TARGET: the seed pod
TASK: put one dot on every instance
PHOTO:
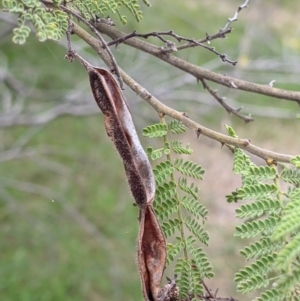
(120, 129)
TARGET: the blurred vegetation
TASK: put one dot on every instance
(68, 227)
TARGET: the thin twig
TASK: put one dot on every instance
(234, 18)
(171, 47)
(226, 106)
(208, 291)
(221, 34)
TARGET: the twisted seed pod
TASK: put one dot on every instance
(120, 128)
(151, 253)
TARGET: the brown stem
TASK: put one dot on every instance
(225, 105)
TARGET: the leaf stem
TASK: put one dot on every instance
(179, 212)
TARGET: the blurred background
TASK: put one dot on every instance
(67, 225)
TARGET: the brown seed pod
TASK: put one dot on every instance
(120, 129)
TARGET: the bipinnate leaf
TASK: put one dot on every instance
(296, 161)
(273, 295)
(256, 191)
(253, 228)
(259, 208)
(260, 248)
(176, 127)
(162, 171)
(155, 130)
(291, 176)
(189, 168)
(180, 149)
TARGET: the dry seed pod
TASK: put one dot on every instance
(152, 254)
(120, 128)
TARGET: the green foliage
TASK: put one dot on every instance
(197, 230)
(296, 161)
(274, 222)
(155, 130)
(178, 148)
(241, 162)
(192, 205)
(176, 127)
(257, 191)
(177, 206)
(260, 248)
(259, 208)
(291, 176)
(162, 171)
(231, 131)
(189, 168)
(273, 295)
(252, 276)
(51, 22)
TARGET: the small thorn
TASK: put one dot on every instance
(233, 85)
(272, 82)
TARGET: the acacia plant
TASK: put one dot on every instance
(171, 216)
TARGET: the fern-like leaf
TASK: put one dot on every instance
(253, 283)
(272, 295)
(180, 149)
(253, 276)
(182, 269)
(165, 192)
(261, 173)
(252, 229)
(241, 162)
(288, 224)
(189, 168)
(196, 287)
(200, 259)
(259, 208)
(174, 250)
(296, 161)
(289, 281)
(176, 127)
(257, 191)
(288, 253)
(194, 207)
(291, 176)
(191, 190)
(197, 230)
(162, 171)
(170, 226)
(155, 130)
(260, 248)
(166, 208)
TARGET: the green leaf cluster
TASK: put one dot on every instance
(51, 22)
(178, 207)
(270, 216)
